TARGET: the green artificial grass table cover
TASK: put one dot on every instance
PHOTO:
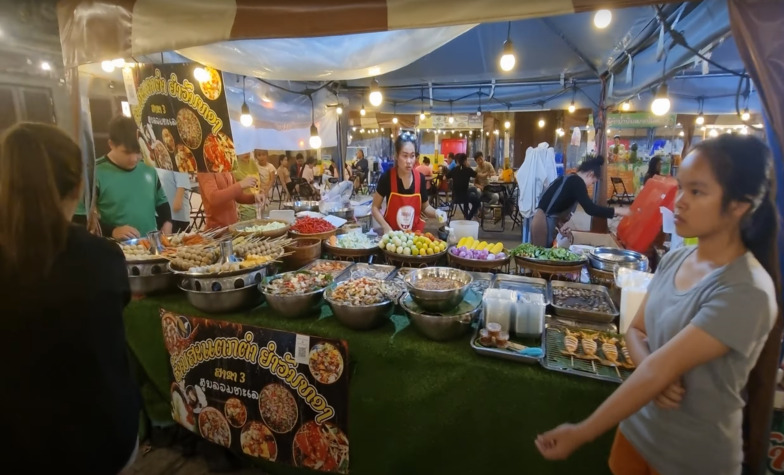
(415, 406)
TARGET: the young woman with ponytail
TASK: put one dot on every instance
(706, 340)
(71, 404)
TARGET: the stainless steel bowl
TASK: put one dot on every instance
(345, 213)
(151, 284)
(438, 300)
(224, 301)
(360, 317)
(608, 259)
(294, 305)
(442, 327)
(298, 206)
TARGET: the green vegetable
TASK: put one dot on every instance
(545, 254)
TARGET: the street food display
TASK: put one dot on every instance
(353, 241)
(300, 282)
(546, 255)
(587, 352)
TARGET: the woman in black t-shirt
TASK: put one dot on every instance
(71, 403)
(404, 190)
(463, 194)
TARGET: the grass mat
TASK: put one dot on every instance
(416, 406)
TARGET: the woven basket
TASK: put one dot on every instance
(400, 260)
(477, 265)
(549, 272)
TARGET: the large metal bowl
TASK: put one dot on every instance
(298, 206)
(441, 327)
(438, 300)
(608, 259)
(360, 317)
(294, 305)
(151, 284)
(224, 301)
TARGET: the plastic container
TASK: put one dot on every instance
(634, 287)
(529, 315)
(463, 228)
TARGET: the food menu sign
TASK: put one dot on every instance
(266, 393)
(184, 123)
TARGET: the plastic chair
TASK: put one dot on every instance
(501, 206)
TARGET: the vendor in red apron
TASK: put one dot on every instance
(403, 190)
(561, 198)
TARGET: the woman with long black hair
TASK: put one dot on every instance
(706, 339)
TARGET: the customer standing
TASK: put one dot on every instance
(177, 187)
(70, 400)
(128, 193)
(284, 174)
(706, 339)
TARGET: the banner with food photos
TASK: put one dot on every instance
(183, 121)
(267, 393)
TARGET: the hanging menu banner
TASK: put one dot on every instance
(461, 121)
(271, 394)
(640, 120)
(183, 122)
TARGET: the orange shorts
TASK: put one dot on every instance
(625, 460)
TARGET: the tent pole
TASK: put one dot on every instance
(599, 225)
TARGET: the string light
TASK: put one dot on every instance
(541, 123)
(245, 118)
(602, 19)
(661, 103)
(508, 60)
(376, 98)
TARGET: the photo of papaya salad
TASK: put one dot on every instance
(236, 412)
(278, 408)
(321, 447)
(214, 427)
(258, 441)
(325, 363)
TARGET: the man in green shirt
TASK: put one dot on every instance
(129, 194)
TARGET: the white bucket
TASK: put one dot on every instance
(463, 228)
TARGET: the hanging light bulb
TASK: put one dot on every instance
(713, 133)
(394, 120)
(681, 134)
(572, 108)
(746, 115)
(451, 120)
(422, 115)
(201, 74)
(361, 131)
(245, 118)
(46, 66)
(461, 135)
(339, 110)
(353, 129)
(700, 119)
(744, 130)
(496, 131)
(107, 66)
(376, 98)
(626, 106)
(602, 19)
(507, 124)
(362, 111)
(541, 123)
(508, 60)
(661, 103)
(315, 140)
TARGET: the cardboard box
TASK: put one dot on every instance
(595, 239)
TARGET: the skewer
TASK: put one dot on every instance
(593, 365)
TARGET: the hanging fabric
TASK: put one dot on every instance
(629, 69)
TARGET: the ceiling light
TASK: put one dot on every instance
(744, 131)
(487, 133)
(626, 106)
(661, 103)
(361, 131)
(451, 120)
(46, 66)
(107, 66)
(703, 128)
(602, 19)
(479, 111)
(713, 133)
(461, 134)
(362, 111)
(201, 74)
(422, 115)
(507, 124)
(700, 120)
(245, 118)
(508, 59)
(681, 134)
(118, 63)
(339, 110)
(746, 115)
(315, 140)
(728, 131)
(353, 129)
(541, 123)
(572, 108)
(394, 120)
(376, 98)
(496, 131)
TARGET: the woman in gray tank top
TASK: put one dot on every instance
(706, 340)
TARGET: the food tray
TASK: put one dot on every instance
(554, 360)
(589, 315)
(335, 274)
(503, 353)
(484, 279)
(522, 284)
(361, 269)
(548, 262)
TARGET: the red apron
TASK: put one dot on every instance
(403, 210)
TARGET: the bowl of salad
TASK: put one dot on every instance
(555, 256)
(351, 244)
(296, 294)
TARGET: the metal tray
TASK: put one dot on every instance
(554, 360)
(522, 284)
(352, 272)
(587, 315)
(335, 274)
(504, 354)
(483, 277)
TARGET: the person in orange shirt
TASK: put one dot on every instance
(220, 194)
